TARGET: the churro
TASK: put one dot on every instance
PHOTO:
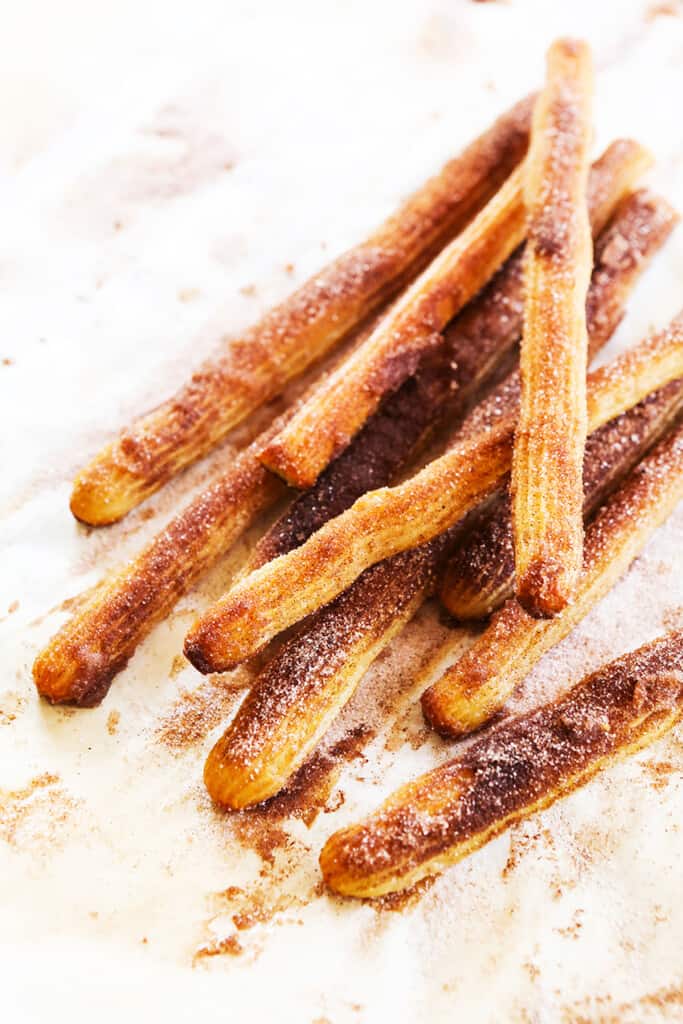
(478, 685)
(392, 519)
(551, 431)
(250, 369)
(511, 772)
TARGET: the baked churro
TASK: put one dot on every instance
(308, 681)
(510, 773)
(475, 345)
(334, 413)
(478, 685)
(303, 688)
(392, 519)
(252, 368)
(551, 432)
(480, 575)
(80, 662)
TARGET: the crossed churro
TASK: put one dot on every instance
(344, 401)
(254, 367)
(474, 346)
(82, 659)
(511, 772)
(303, 688)
(478, 685)
(551, 431)
(480, 575)
(310, 679)
(384, 522)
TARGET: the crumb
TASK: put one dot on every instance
(248, 289)
(230, 945)
(177, 665)
(113, 719)
(289, 268)
(13, 608)
(7, 361)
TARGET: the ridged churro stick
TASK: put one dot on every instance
(511, 772)
(325, 424)
(303, 688)
(392, 519)
(308, 681)
(478, 685)
(480, 575)
(475, 343)
(551, 432)
(252, 368)
(80, 662)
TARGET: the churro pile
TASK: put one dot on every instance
(461, 447)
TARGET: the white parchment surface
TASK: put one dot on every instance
(167, 171)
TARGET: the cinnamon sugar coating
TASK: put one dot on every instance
(478, 685)
(392, 519)
(481, 573)
(509, 773)
(551, 432)
(250, 369)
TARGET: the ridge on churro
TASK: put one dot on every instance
(551, 431)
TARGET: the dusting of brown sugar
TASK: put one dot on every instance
(406, 899)
(196, 712)
(673, 618)
(35, 815)
(660, 773)
(11, 705)
(113, 719)
(229, 946)
(309, 793)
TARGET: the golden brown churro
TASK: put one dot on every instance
(392, 519)
(325, 424)
(309, 680)
(477, 686)
(480, 576)
(317, 670)
(474, 344)
(80, 662)
(511, 772)
(551, 432)
(254, 367)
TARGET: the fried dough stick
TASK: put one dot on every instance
(309, 680)
(81, 661)
(510, 773)
(250, 369)
(480, 575)
(551, 432)
(300, 692)
(345, 399)
(478, 685)
(392, 519)
(475, 344)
